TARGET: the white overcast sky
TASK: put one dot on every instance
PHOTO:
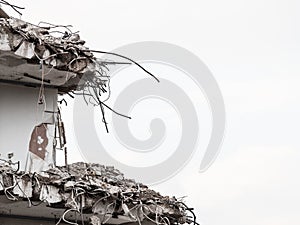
(253, 50)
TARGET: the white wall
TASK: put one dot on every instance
(19, 114)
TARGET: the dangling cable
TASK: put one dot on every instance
(134, 62)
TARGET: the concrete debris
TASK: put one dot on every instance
(4, 42)
(94, 220)
(101, 191)
(25, 50)
(31, 55)
(38, 45)
(23, 187)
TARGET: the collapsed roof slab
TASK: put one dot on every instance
(88, 191)
(31, 54)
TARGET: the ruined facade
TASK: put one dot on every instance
(38, 63)
(35, 67)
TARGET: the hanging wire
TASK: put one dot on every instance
(124, 57)
(14, 7)
(96, 88)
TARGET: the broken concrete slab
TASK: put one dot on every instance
(100, 191)
(63, 54)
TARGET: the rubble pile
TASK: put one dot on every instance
(48, 45)
(94, 189)
(66, 52)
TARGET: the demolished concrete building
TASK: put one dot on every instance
(35, 67)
